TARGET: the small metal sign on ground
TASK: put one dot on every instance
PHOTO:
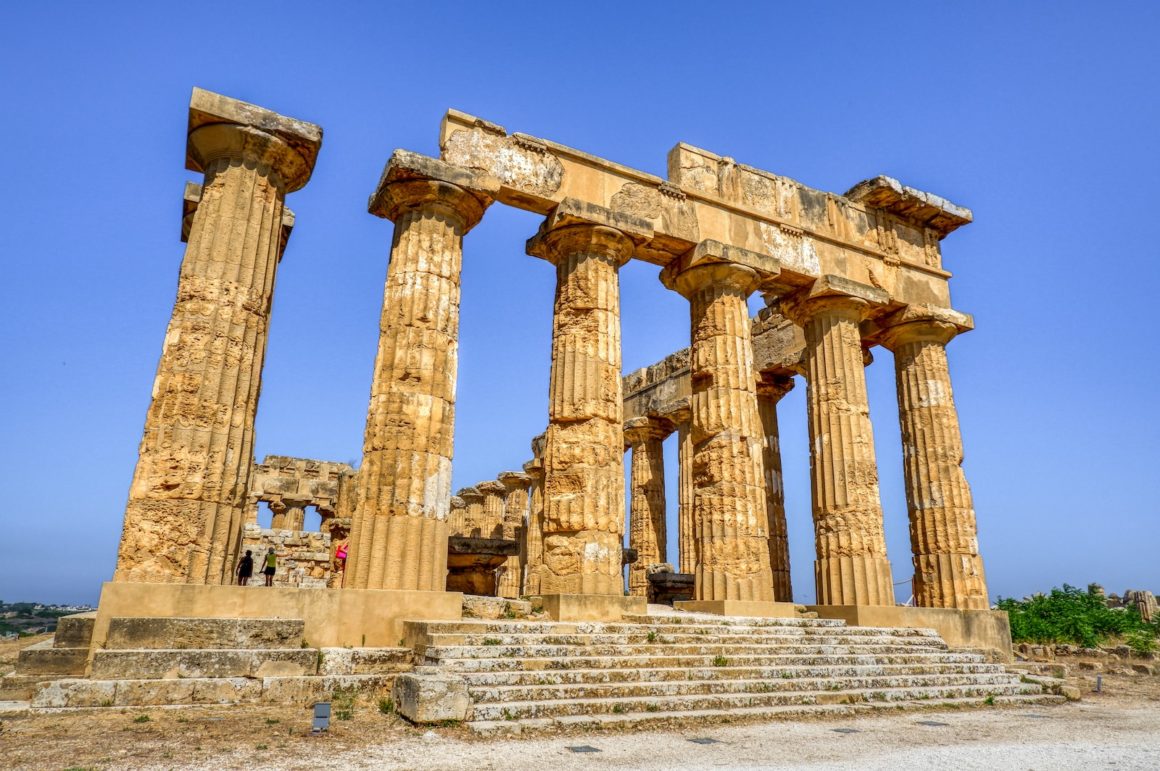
(583, 748)
(844, 730)
(321, 717)
(932, 723)
(705, 740)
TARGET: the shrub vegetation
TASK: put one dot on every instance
(1078, 617)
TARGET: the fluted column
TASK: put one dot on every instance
(472, 513)
(851, 567)
(646, 519)
(458, 518)
(583, 452)
(770, 389)
(948, 571)
(515, 511)
(534, 552)
(687, 536)
(729, 507)
(399, 534)
(187, 500)
(493, 508)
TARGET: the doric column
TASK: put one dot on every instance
(458, 516)
(687, 535)
(534, 552)
(646, 519)
(399, 537)
(948, 571)
(851, 566)
(288, 516)
(728, 484)
(188, 496)
(472, 512)
(770, 389)
(584, 451)
(492, 516)
(515, 512)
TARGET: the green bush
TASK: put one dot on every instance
(1074, 616)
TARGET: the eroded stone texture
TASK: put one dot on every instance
(491, 522)
(948, 571)
(647, 533)
(770, 390)
(583, 453)
(851, 566)
(187, 501)
(399, 532)
(472, 513)
(509, 581)
(729, 507)
(534, 542)
(458, 518)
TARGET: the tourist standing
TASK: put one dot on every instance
(271, 564)
(245, 568)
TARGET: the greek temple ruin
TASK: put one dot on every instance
(396, 549)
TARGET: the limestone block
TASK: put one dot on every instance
(75, 693)
(428, 695)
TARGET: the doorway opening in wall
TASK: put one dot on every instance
(265, 516)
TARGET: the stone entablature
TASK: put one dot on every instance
(284, 482)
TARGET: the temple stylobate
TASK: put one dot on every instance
(840, 274)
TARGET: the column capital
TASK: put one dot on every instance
(514, 480)
(458, 503)
(221, 127)
(490, 487)
(712, 263)
(773, 386)
(411, 181)
(576, 226)
(640, 430)
(834, 293)
(679, 411)
(470, 495)
(921, 323)
(535, 469)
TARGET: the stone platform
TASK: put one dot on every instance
(984, 630)
(343, 618)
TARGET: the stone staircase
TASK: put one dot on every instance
(656, 668)
(65, 655)
(188, 661)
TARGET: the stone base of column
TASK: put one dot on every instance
(333, 617)
(987, 630)
(950, 581)
(582, 562)
(591, 607)
(750, 608)
(860, 580)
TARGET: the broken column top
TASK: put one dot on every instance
(207, 108)
(911, 205)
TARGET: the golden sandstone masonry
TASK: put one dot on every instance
(840, 274)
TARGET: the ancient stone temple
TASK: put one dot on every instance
(394, 550)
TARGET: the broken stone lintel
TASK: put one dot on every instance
(190, 199)
(917, 207)
(206, 108)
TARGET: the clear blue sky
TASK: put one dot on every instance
(1041, 117)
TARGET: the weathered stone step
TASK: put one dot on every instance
(637, 662)
(20, 687)
(365, 661)
(200, 633)
(507, 694)
(613, 705)
(764, 629)
(663, 640)
(708, 716)
(662, 674)
(155, 663)
(444, 653)
(43, 659)
(191, 691)
(75, 631)
(712, 620)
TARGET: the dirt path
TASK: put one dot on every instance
(1119, 728)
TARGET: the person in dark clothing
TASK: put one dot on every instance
(245, 568)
